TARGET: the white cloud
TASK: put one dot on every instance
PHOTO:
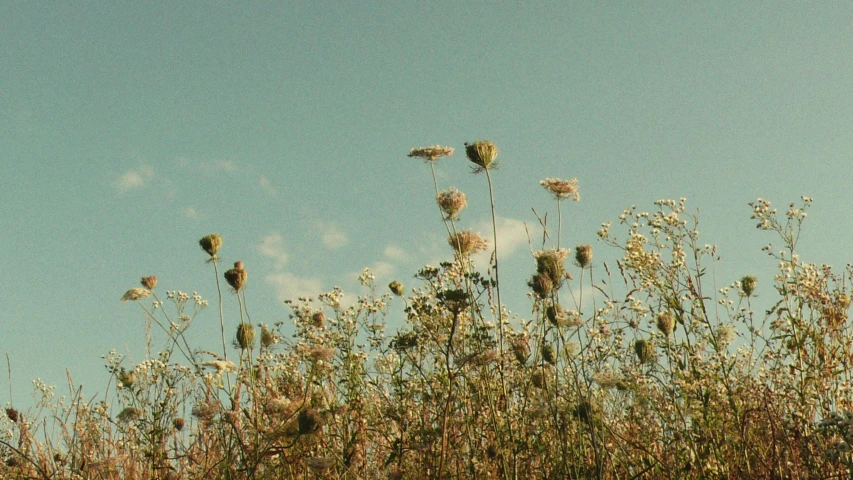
(395, 252)
(511, 236)
(383, 269)
(332, 237)
(290, 287)
(272, 246)
(190, 212)
(267, 186)
(133, 179)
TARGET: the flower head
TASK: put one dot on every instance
(149, 282)
(431, 154)
(562, 189)
(550, 263)
(583, 255)
(135, 294)
(467, 242)
(482, 154)
(451, 202)
(236, 277)
(211, 244)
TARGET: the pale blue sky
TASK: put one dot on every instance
(131, 129)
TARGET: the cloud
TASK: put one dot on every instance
(290, 287)
(511, 236)
(190, 212)
(272, 246)
(332, 237)
(267, 186)
(133, 179)
(395, 252)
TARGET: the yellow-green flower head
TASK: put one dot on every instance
(211, 244)
(482, 154)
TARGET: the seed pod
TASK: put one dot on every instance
(245, 335)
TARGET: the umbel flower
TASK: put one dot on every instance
(431, 154)
(211, 244)
(550, 263)
(451, 202)
(562, 189)
(135, 294)
(467, 242)
(236, 277)
(482, 154)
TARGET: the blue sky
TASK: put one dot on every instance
(130, 130)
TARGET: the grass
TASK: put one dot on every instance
(641, 368)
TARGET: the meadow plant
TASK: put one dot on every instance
(637, 364)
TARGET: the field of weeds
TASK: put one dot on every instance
(643, 368)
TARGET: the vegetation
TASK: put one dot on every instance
(643, 368)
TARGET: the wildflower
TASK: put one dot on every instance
(318, 319)
(396, 288)
(482, 154)
(541, 284)
(205, 410)
(267, 337)
(211, 244)
(221, 366)
(149, 282)
(748, 284)
(583, 255)
(318, 353)
(236, 277)
(550, 263)
(451, 202)
(644, 349)
(431, 154)
(135, 294)
(245, 335)
(126, 378)
(467, 242)
(562, 189)
(665, 323)
(129, 414)
(549, 355)
(12, 414)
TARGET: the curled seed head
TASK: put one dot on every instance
(149, 282)
(482, 154)
(748, 284)
(665, 323)
(245, 335)
(237, 276)
(211, 244)
(583, 255)
(396, 288)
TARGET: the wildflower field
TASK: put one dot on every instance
(645, 367)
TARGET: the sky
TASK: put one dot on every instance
(132, 129)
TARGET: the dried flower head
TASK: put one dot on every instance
(318, 319)
(13, 414)
(482, 154)
(431, 154)
(221, 365)
(178, 423)
(541, 284)
(562, 189)
(397, 288)
(665, 323)
(210, 244)
(309, 421)
(129, 414)
(149, 282)
(126, 378)
(451, 202)
(245, 335)
(748, 284)
(521, 349)
(583, 255)
(268, 338)
(467, 242)
(317, 353)
(135, 294)
(548, 354)
(236, 277)
(550, 262)
(644, 349)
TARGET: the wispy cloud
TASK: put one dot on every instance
(333, 237)
(267, 186)
(395, 252)
(511, 236)
(290, 287)
(134, 178)
(272, 246)
(190, 212)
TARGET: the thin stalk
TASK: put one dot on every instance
(221, 310)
